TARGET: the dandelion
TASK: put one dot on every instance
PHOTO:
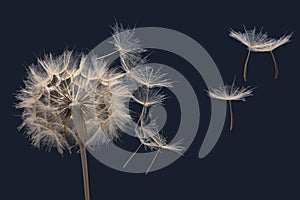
(259, 42)
(230, 93)
(67, 103)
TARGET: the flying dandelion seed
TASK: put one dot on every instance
(230, 93)
(259, 42)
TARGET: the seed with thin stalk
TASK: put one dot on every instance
(230, 93)
(146, 129)
(148, 94)
(259, 42)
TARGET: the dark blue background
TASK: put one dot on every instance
(259, 159)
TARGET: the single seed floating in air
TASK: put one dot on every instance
(259, 42)
(230, 93)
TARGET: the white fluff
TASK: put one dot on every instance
(230, 93)
(258, 41)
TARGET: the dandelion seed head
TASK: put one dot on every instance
(124, 40)
(230, 93)
(128, 45)
(150, 77)
(148, 97)
(258, 41)
(55, 85)
(42, 101)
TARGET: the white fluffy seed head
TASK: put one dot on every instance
(55, 86)
(46, 116)
(230, 93)
(147, 75)
(124, 40)
(258, 41)
(128, 46)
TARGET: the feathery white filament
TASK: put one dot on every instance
(230, 93)
(258, 41)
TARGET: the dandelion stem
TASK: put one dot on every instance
(152, 161)
(84, 170)
(231, 115)
(245, 66)
(107, 55)
(275, 65)
(79, 122)
(132, 155)
(141, 140)
(80, 126)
